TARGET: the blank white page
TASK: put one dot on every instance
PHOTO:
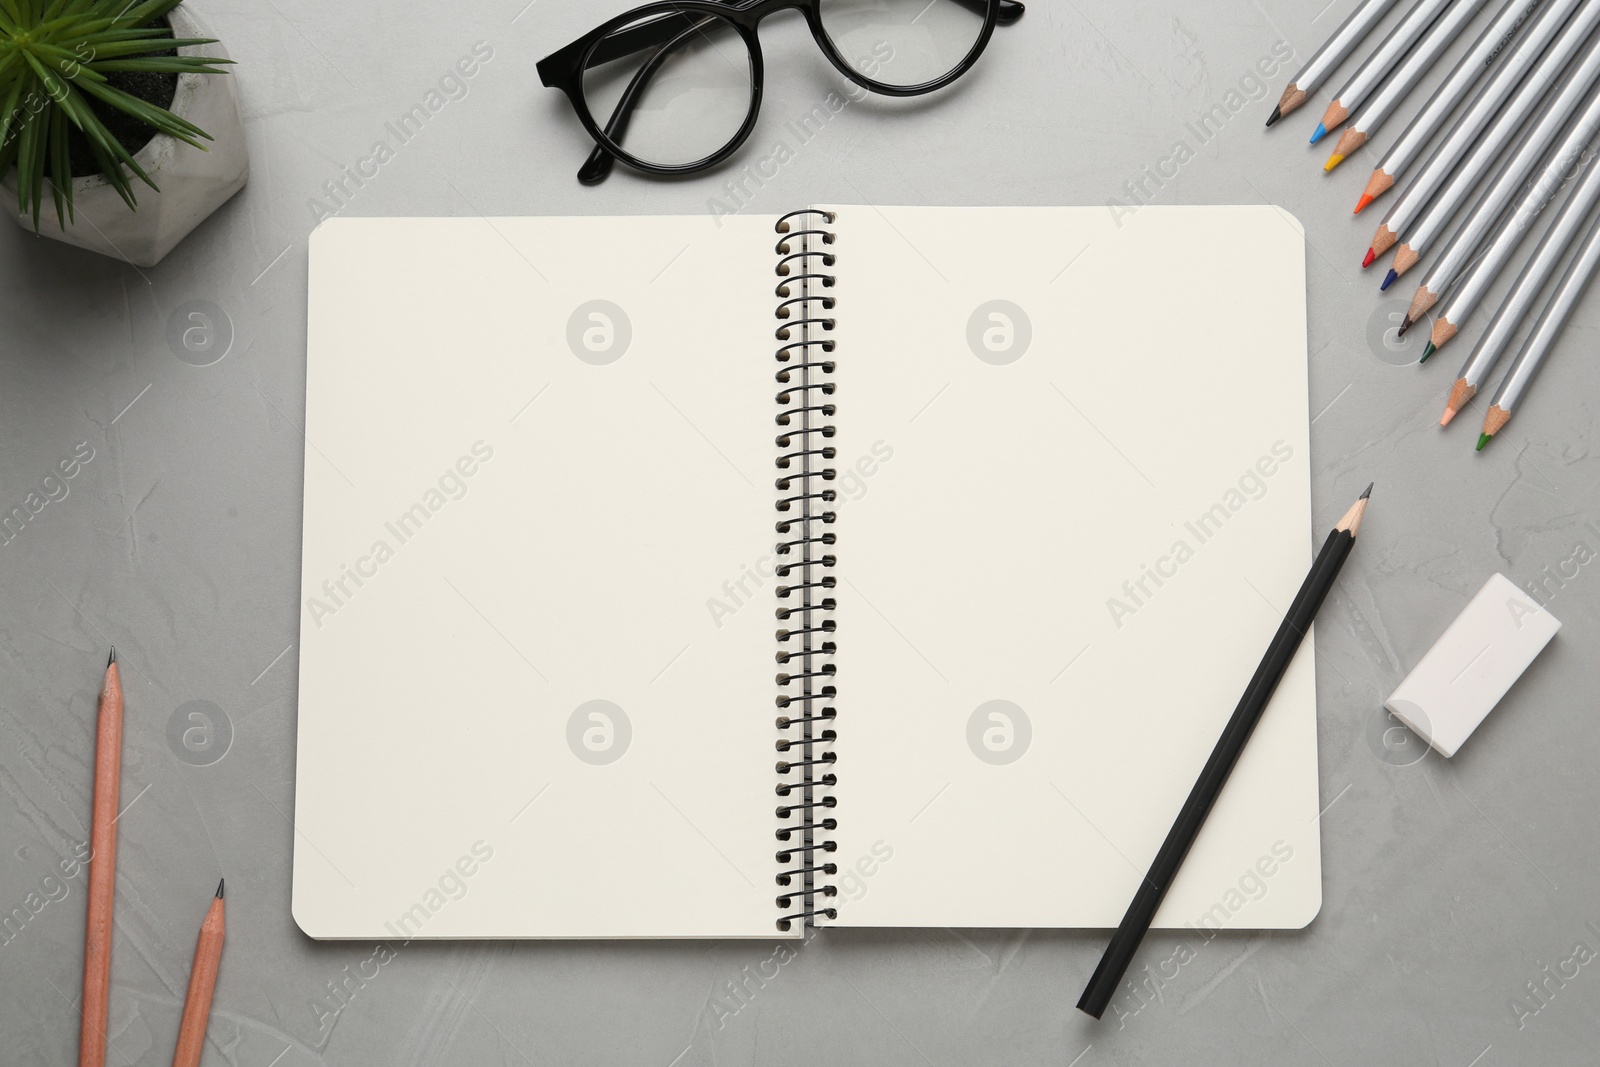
(1070, 523)
(521, 502)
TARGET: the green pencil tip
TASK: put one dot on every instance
(1483, 439)
(1429, 349)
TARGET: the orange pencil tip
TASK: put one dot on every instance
(1363, 202)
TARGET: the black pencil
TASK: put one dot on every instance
(1125, 942)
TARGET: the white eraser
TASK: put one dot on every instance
(1469, 669)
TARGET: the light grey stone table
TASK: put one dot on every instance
(1454, 891)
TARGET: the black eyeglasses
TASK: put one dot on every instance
(680, 82)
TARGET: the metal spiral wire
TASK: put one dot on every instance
(806, 645)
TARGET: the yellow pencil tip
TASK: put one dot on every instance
(1333, 161)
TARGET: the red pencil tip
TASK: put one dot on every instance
(1366, 261)
(1363, 202)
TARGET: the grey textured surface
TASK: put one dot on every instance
(1449, 887)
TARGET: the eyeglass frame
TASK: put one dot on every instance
(564, 69)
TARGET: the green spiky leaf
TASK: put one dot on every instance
(58, 55)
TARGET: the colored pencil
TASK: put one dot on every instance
(1280, 653)
(102, 870)
(1514, 309)
(1477, 117)
(1491, 43)
(1533, 142)
(1542, 339)
(202, 983)
(1371, 116)
(1333, 52)
(1504, 214)
(1540, 267)
(1384, 58)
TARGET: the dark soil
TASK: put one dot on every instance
(157, 89)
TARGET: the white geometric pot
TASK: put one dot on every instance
(193, 183)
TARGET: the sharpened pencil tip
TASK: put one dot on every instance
(1277, 113)
(1367, 494)
(1483, 439)
(1372, 254)
(219, 887)
(1429, 349)
(1363, 202)
(1449, 413)
(1388, 280)
(1333, 161)
(1319, 133)
(113, 658)
(1405, 324)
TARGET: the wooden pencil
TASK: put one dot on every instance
(1534, 53)
(1497, 228)
(102, 870)
(1540, 268)
(1468, 71)
(1522, 134)
(1340, 44)
(1280, 653)
(1541, 340)
(1418, 62)
(202, 983)
(1384, 58)
(1518, 304)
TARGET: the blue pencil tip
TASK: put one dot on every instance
(1319, 133)
(1388, 280)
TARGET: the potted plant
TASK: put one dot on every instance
(99, 98)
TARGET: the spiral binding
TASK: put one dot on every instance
(805, 606)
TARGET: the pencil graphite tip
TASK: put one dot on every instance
(1449, 413)
(1483, 439)
(113, 658)
(1350, 523)
(1427, 350)
(1388, 280)
(1319, 133)
(1405, 324)
(1277, 113)
(1366, 494)
(1333, 161)
(219, 887)
(1372, 254)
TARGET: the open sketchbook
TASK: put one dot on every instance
(693, 577)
